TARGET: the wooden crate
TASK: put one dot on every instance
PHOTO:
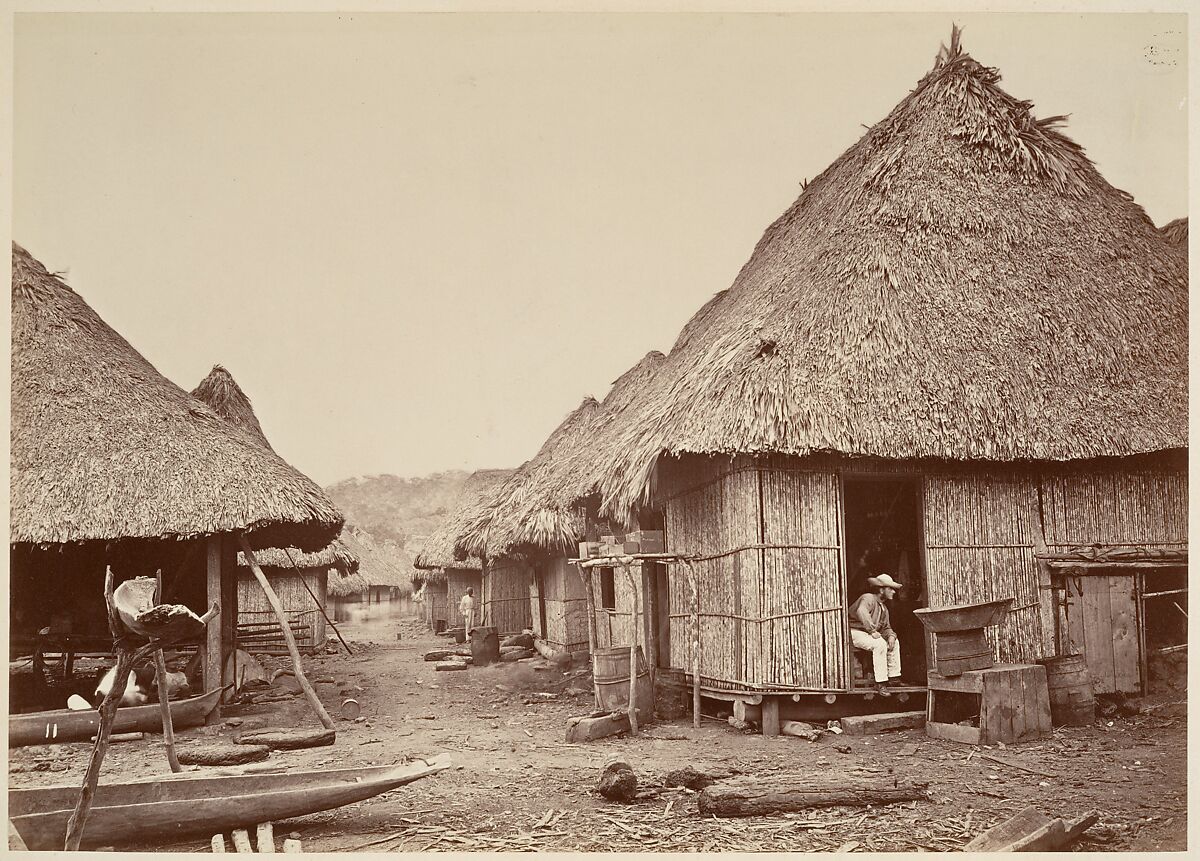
(1013, 702)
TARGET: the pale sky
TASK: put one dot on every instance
(418, 241)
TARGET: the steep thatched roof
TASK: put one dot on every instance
(221, 392)
(104, 447)
(537, 506)
(960, 284)
(437, 552)
(1176, 232)
(334, 555)
(380, 564)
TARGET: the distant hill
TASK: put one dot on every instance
(402, 510)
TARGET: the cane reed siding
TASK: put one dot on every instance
(505, 593)
(458, 581)
(288, 584)
(772, 604)
(1141, 506)
(437, 609)
(981, 530)
(565, 604)
(614, 626)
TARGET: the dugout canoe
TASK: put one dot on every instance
(68, 725)
(172, 807)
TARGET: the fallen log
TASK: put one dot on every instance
(758, 799)
(222, 754)
(285, 739)
(510, 656)
(438, 654)
(449, 666)
(547, 651)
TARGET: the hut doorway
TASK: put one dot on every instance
(883, 535)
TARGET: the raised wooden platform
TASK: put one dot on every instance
(769, 707)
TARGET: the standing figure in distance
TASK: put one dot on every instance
(466, 608)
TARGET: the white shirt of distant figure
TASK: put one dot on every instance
(466, 609)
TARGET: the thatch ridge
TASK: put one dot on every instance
(1176, 232)
(539, 507)
(437, 551)
(104, 447)
(960, 284)
(221, 392)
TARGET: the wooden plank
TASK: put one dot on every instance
(1097, 621)
(869, 724)
(970, 682)
(1016, 683)
(1030, 682)
(953, 732)
(1027, 821)
(1075, 632)
(995, 710)
(211, 647)
(1126, 657)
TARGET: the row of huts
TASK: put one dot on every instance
(959, 357)
(115, 466)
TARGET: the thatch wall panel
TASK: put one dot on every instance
(980, 532)
(566, 606)
(289, 586)
(458, 581)
(505, 595)
(1115, 508)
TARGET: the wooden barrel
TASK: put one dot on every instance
(610, 671)
(1072, 702)
(485, 646)
(959, 651)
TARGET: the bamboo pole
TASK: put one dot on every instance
(695, 644)
(273, 600)
(304, 583)
(585, 574)
(633, 647)
(164, 706)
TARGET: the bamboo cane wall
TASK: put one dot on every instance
(772, 608)
(506, 585)
(288, 585)
(1115, 508)
(615, 627)
(437, 607)
(566, 606)
(458, 581)
(981, 531)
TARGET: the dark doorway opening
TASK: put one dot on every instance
(883, 536)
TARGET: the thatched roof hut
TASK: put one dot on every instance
(960, 284)
(1176, 232)
(104, 447)
(378, 565)
(437, 552)
(221, 392)
(539, 507)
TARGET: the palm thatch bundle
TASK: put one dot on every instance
(1176, 232)
(221, 392)
(437, 551)
(538, 507)
(960, 284)
(104, 447)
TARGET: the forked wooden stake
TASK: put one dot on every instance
(633, 640)
(164, 707)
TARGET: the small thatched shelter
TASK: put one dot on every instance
(386, 570)
(444, 576)
(300, 579)
(958, 356)
(534, 521)
(114, 465)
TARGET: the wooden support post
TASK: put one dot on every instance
(649, 582)
(695, 644)
(297, 666)
(633, 647)
(164, 706)
(211, 646)
(770, 716)
(585, 574)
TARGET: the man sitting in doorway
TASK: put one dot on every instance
(871, 629)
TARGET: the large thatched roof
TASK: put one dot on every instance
(221, 392)
(960, 284)
(537, 507)
(334, 555)
(104, 447)
(437, 552)
(379, 564)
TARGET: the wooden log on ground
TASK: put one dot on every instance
(513, 655)
(550, 653)
(1024, 823)
(449, 666)
(288, 739)
(870, 724)
(592, 727)
(759, 799)
(222, 754)
(799, 729)
(439, 654)
(1030, 830)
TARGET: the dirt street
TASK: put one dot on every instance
(515, 785)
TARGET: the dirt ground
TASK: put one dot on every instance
(516, 786)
